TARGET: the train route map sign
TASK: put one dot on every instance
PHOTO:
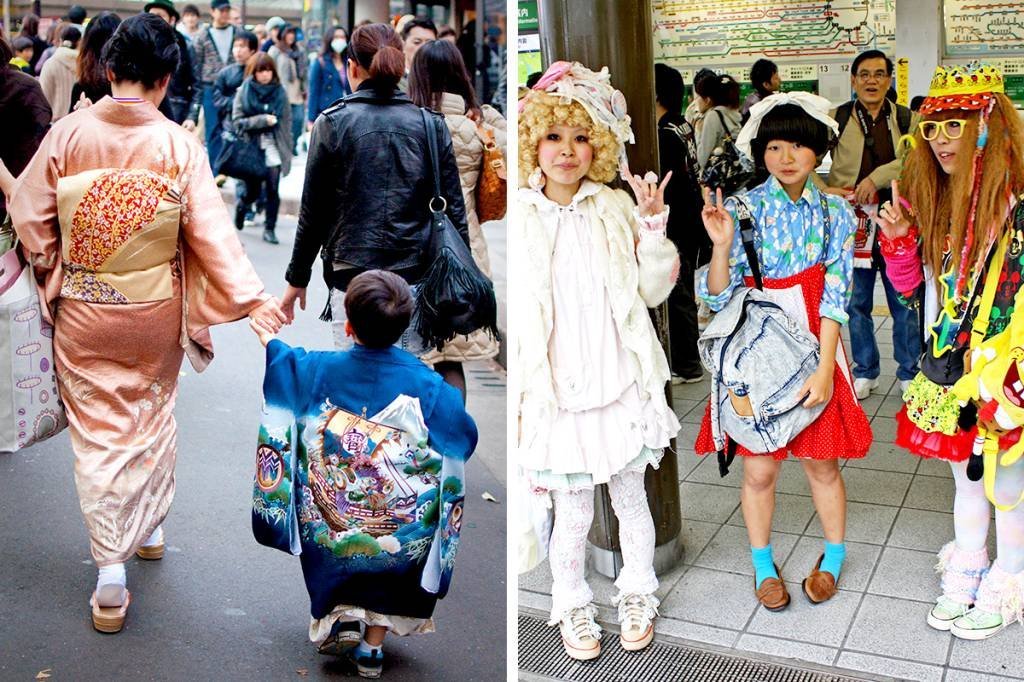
(738, 32)
(983, 27)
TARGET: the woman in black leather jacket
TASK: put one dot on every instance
(367, 187)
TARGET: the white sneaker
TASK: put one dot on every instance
(636, 618)
(904, 385)
(581, 635)
(863, 387)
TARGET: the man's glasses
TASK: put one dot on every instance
(864, 76)
(952, 128)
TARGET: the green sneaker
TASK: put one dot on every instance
(977, 624)
(946, 611)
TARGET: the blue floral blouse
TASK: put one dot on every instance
(789, 236)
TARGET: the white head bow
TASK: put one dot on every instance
(817, 107)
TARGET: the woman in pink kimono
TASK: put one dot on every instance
(133, 248)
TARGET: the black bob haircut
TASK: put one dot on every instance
(790, 123)
(871, 54)
(668, 88)
(143, 49)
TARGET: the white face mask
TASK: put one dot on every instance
(339, 44)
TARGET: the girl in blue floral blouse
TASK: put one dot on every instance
(806, 260)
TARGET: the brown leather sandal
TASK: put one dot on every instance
(772, 594)
(151, 552)
(820, 586)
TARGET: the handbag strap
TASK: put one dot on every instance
(431, 131)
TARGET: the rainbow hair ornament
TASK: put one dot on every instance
(979, 157)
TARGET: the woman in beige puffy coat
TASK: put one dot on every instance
(439, 80)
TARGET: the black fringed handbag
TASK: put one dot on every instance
(454, 297)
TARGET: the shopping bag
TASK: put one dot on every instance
(30, 407)
(535, 517)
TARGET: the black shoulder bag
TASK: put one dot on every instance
(454, 297)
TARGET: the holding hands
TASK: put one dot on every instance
(267, 319)
(895, 223)
(650, 196)
(717, 221)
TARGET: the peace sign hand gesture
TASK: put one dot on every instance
(891, 218)
(717, 221)
(650, 196)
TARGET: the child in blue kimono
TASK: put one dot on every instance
(360, 471)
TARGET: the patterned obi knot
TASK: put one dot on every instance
(119, 235)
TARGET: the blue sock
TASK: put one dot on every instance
(834, 555)
(764, 564)
(368, 650)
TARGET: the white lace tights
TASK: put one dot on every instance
(971, 510)
(574, 512)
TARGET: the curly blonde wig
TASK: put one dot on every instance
(542, 111)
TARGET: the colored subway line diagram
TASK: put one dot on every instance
(737, 32)
(978, 27)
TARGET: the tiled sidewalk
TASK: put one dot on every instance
(899, 516)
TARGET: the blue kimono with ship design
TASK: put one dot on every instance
(360, 471)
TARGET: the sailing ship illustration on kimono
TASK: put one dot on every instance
(371, 497)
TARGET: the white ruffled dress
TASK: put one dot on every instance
(603, 426)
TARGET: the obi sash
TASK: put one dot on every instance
(119, 235)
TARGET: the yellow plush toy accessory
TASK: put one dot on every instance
(994, 381)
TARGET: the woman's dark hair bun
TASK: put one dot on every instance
(378, 49)
(143, 49)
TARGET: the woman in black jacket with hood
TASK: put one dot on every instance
(368, 185)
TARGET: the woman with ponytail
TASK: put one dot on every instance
(368, 186)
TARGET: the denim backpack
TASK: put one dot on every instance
(758, 358)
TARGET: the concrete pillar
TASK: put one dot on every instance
(919, 39)
(618, 34)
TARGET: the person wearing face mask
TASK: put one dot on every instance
(328, 81)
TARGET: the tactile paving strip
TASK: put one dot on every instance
(541, 653)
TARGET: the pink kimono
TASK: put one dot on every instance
(136, 257)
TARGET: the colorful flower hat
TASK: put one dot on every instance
(966, 88)
(606, 106)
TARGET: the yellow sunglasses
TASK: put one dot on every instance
(952, 128)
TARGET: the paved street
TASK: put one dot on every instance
(219, 606)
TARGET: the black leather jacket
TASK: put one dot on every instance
(368, 183)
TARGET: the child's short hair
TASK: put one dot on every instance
(544, 111)
(790, 123)
(379, 306)
(22, 43)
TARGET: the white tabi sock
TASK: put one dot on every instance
(110, 585)
(156, 538)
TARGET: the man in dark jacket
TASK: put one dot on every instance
(678, 153)
(182, 95)
(211, 52)
(231, 76)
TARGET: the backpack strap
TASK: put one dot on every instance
(843, 113)
(747, 237)
(903, 116)
(827, 236)
(725, 457)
